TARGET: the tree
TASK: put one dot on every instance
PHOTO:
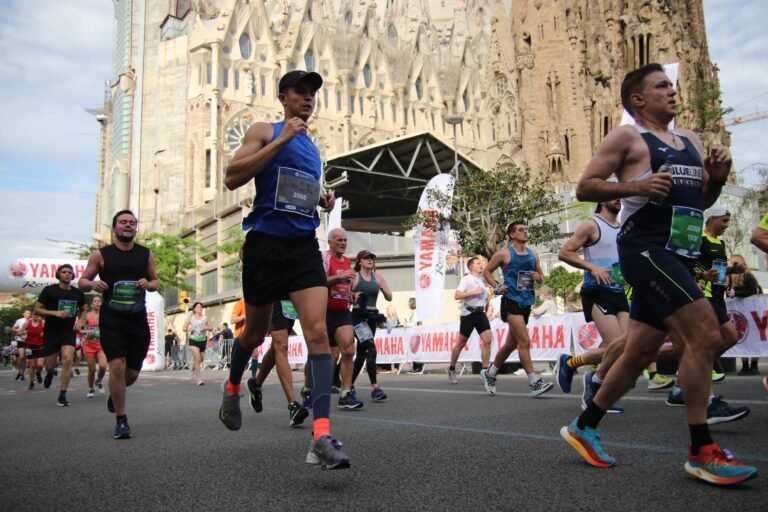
(174, 256)
(484, 203)
(562, 281)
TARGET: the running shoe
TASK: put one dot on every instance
(590, 390)
(586, 442)
(675, 398)
(77, 371)
(23, 378)
(200, 382)
(90, 394)
(646, 374)
(306, 398)
(254, 395)
(18, 376)
(31, 384)
(717, 377)
(540, 387)
(489, 382)
(62, 401)
(349, 401)
(564, 373)
(377, 395)
(101, 388)
(327, 453)
(39, 376)
(452, 377)
(718, 466)
(615, 409)
(718, 411)
(48, 380)
(297, 414)
(110, 404)
(229, 412)
(334, 390)
(122, 430)
(659, 382)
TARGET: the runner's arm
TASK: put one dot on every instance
(760, 239)
(153, 283)
(585, 234)
(497, 260)
(86, 283)
(384, 287)
(257, 150)
(717, 166)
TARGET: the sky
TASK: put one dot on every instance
(56, 56)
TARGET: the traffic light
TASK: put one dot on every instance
(184, 300)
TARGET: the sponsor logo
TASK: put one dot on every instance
(424, 281)
(663, 150)
(150, 359)
(414, 343)
(588, 336)
(741, 324)
(17, 269)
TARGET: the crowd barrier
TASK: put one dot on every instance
(551, 335)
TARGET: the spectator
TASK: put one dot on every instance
(743, 285)
(573, 303)
(547, 306)
(410, 321)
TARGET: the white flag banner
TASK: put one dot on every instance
(431, 249)
(750, 316)
(671, 71)
(334, 218)
(155, 358)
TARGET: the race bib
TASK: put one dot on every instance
(198, 337)
(340, 290)
(685, 231)
(617, 278)
(363, 331)
(297, 192)
(722, 267)
(127, 297)
(70, 306)
(289, 311)
(525, 280)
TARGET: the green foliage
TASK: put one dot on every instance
(174, 256)
(704, 109)
(235, 240)
(79, 250)
(484, 203)
(561, 281)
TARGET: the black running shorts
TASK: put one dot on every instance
(199, 345)
(334, 320)
(54, 340)
(273, 267)
(662, 283)
(608, 302)
(124, 336)
(510, 307)
(474, 321)
(721, 311)
(278, 321)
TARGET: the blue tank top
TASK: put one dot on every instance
(517, 277)
(604, 254)
(287, 190)
(677, 223)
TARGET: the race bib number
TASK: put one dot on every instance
(289, 311)
(685, 231)
(297, 192)
(722, 267)
(617, 278)
(363, 331)
(127, 297)
(340, 290)
(525, 280)
(70, 306)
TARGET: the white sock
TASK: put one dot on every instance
(492, 370)
(532, 378)
(597, 380)
(677, 389)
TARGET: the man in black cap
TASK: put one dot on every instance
(281, 256)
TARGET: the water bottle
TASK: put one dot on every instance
(667, 168)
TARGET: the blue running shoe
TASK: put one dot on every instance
(615, 409)
(675, 398)
(590, 390)
(349, 401)
(377, 395)
(586, 442)
(306, 398)
(564, 373)
(718, 466)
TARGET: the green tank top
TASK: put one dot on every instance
(368, 288)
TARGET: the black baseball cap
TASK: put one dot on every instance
(292, 78)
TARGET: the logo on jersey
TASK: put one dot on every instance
(663, 150)
(17, 269)
(588, 336)
(424, 281)
(414, 343)
(741, 324)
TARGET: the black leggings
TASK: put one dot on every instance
(366, 350)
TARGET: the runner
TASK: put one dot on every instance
(665, 185)
(60, 304)
(197, 325)
(283, 317)
(471, 291)
(126, 272)
(366, 284)
(281, 257)
(34, 347)
(18, 337)
(520, 267)
(92, 348)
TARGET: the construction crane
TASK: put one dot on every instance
(733, 121)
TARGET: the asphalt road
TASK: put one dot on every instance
(431, 446)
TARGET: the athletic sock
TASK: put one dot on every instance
(344, 392)
(532, 378)
(575, 361)
(452, 368)
(492, 370)
(597, 380)
(591, 416)
(237, 363)
(699, 437)
(63, 393)
(121, 419)
(374, 386)
(320, 375)
(232, 389)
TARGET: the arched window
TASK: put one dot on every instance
(367, 75)
(348, 18)
(309, 60)
(465, 99)
(501, 84)
(245, 46)
(419, 88)
(392, 31)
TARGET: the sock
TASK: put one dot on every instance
(344, 392)
(591, 416)
(532, 378)
(121, 419)
(492, 370)
(63, 393)
(651, 375)
(699, 437)
(321, 427)
(374, 386)
(452, 368)
(597, 380)
(237, 363)
(575, 361)
(232, 389)
(320, 375)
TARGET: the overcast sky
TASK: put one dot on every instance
(55, 57)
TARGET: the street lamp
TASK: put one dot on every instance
(453, 120)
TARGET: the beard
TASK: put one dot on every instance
(612, 208)
(125, 238)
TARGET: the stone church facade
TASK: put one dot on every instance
(533, 81)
